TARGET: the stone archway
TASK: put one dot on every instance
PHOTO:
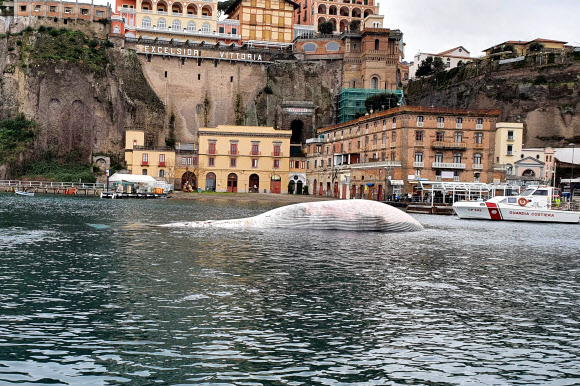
(254, 183)
(210, 182)
(232, 183)
(189, 178)
(297, 127)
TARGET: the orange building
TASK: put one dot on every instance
(264, 20)
(386, 153)
(340, 14)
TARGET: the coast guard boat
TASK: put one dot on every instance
(534, 204)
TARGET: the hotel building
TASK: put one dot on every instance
(387, 153)
(155, 161)
(243, 159)
(340, 14)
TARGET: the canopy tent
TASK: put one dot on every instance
(133, 179)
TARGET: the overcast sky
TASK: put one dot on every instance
(434, 26)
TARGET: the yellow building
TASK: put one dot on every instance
(155, 161)
(508, 146)
(243, 159)
(523, 48)
(264, 20)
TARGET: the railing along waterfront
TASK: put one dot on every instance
(52, 184)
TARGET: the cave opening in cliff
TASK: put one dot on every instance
(297, 127)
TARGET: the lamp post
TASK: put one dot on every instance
(572, 170)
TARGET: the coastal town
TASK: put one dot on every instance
(289, 192)
(380, 152)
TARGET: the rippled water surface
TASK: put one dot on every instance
(461, 302)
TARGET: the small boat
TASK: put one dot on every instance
(534, 204)
(22, 193)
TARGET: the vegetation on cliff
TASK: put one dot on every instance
(47, 167)
(16, 138)
(47, 44)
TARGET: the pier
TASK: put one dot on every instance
(50, 187)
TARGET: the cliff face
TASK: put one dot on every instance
(545, 97)
(81, 103)
(208, 93)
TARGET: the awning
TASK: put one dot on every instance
(370, 184)
(397, 182)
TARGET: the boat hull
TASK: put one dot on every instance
(20, 193)
(497, 212)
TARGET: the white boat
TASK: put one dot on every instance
(22, 193)
(534, 204)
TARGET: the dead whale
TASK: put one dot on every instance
(346, 215)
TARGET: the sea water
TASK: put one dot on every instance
(92, 294)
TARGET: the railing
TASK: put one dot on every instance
(440, 125)
(191, 15)
(177, 14)
(144, 163)
(500, 167)
(137, 147)
(162, 163)
(445, 165)
(477, 166)
(393, 144)
(376, 164)
(146, 11)
(449, 145)
(256, 153)
(479, 126)
(419, 144)
(459, 125)
(478, 146)
(394, 126)
(49, 184)
(162, 13)
(418, 164)
(235, 152)
(419, 124)
(277, 154)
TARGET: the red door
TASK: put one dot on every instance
(343, 192)
(335, 189)
(380, 198)
(233, 183)
(275, 187)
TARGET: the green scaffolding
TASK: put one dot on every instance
(352, 101)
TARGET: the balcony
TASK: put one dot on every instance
(146, 11)
(162, 13)
(479, 126)
(161, 164)
(477, 166)
(277, 154)
(510, 139)
(449, 145)
(255, 153)
(419, 144)
(177, 14)
(393, 144)
(419, 124)
(235, 152)
(478, 146)
(500, 167)
(191, 15)
(144, 163)
(440, 125)
(380, 164)
(418, 164)
(459, 125)
(445, 165)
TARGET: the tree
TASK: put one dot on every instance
(426, 67)
(223, 7)
(354, 25)
(380, 102)
(438, 65)
(536, 47)
(460, 63)
(326, 28)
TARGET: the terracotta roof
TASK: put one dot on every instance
(414, 109)
(451, 50)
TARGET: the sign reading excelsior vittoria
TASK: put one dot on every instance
(197, 53)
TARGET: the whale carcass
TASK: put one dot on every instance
(347, 215)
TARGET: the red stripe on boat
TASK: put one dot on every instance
(494, 212)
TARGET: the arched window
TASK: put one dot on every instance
(191, 27)
(146, 22)
(376, 44)
(176, 25)
(206, 28)
(116, 29)
(374, 83)
(161, 24)
(309, 47)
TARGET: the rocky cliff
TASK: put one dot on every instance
(81, 92)
(543, 92)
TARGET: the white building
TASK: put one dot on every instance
(451, 58)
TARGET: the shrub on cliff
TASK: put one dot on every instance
(16, 136)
